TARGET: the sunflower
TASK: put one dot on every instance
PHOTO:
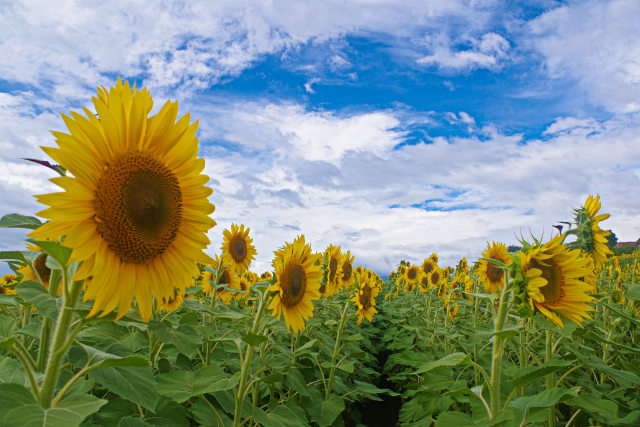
(298, 276)
(227, 279)
(7, 283)
(266, 275)
(135, 212)
(412, 274)
(244, 283)
(435, 277)
(591, 238)
(428, 265)
(172, 303)
(423, 286)
(553, 278)
(492, 276)
(434, 257)
(347, 278)
(365, 300)
(237, 248)
(333, 267)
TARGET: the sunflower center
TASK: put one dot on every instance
(435, 277)
(294, 283)
(346, 271)
(333, 269)
(552, 291)
(412, 273)
(238, 249)
(428, 268)
(40, 265)
(365, 297)
(494, 273)
(138, 207)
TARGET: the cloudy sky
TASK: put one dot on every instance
(391, 128)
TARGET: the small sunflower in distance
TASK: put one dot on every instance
(135, 211)
(428, 265)
(172, 303)
(591, 238)
(298, 274)
(489, 274)
(552, 275)
(412, 274)
(237, 248)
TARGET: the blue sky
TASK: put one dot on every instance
(394, 129)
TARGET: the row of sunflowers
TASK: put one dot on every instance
(116, 315)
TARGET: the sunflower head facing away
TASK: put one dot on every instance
(237, 248)
(551, 276)
(298, 275)
(134, 208)
(590, 237)
(347, 277)
(489, 274)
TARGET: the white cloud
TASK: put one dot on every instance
(486, 52)
(597, 43)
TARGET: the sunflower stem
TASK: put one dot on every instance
(244, 372)
(498, 349)
(336, 350)
(59, 347)
(45, 332)
(551, 378)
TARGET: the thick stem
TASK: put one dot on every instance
(242, 387)
(336, 350)
(551, 378)
(58, 349)
(45, 332)
(498, 348)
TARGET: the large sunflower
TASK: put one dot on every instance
(298, 275)
(135, 212)
(333, 269)
(365, 300)
(237, 248)
(553, 276)
(489, 274)
(591, 238)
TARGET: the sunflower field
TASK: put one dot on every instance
(117, 314)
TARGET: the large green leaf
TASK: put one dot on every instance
(605, 410)
(634, 293)
(450, 360)
(458, 419)
(37, 295)
(281, 416)
(12, 255)
(13, 396)
(184, 337)
(529, 405)
(253, 339)
(54, 249)
(325, 412)
(136, 384)
(528, 375)
(20, 221)
(70, 412)
(101, 359)
(181, 386)
(12, 372)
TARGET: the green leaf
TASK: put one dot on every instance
(529, 375)
(181, 386)
(13, 396)
(12, 372)
(546, 399)
(253, 339)
(450, 360)
(37, 295)
(633, 293)
(272, 378)
(347, 366)
(102, 359)
(54, 249)
(12, 255)
(605, 410)
(136, 384)
(20, 221)
(506, 333)
(325, 412)
(70, 412)
(7, 326)
(184, 337)
(458, 419)
(306, 347)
